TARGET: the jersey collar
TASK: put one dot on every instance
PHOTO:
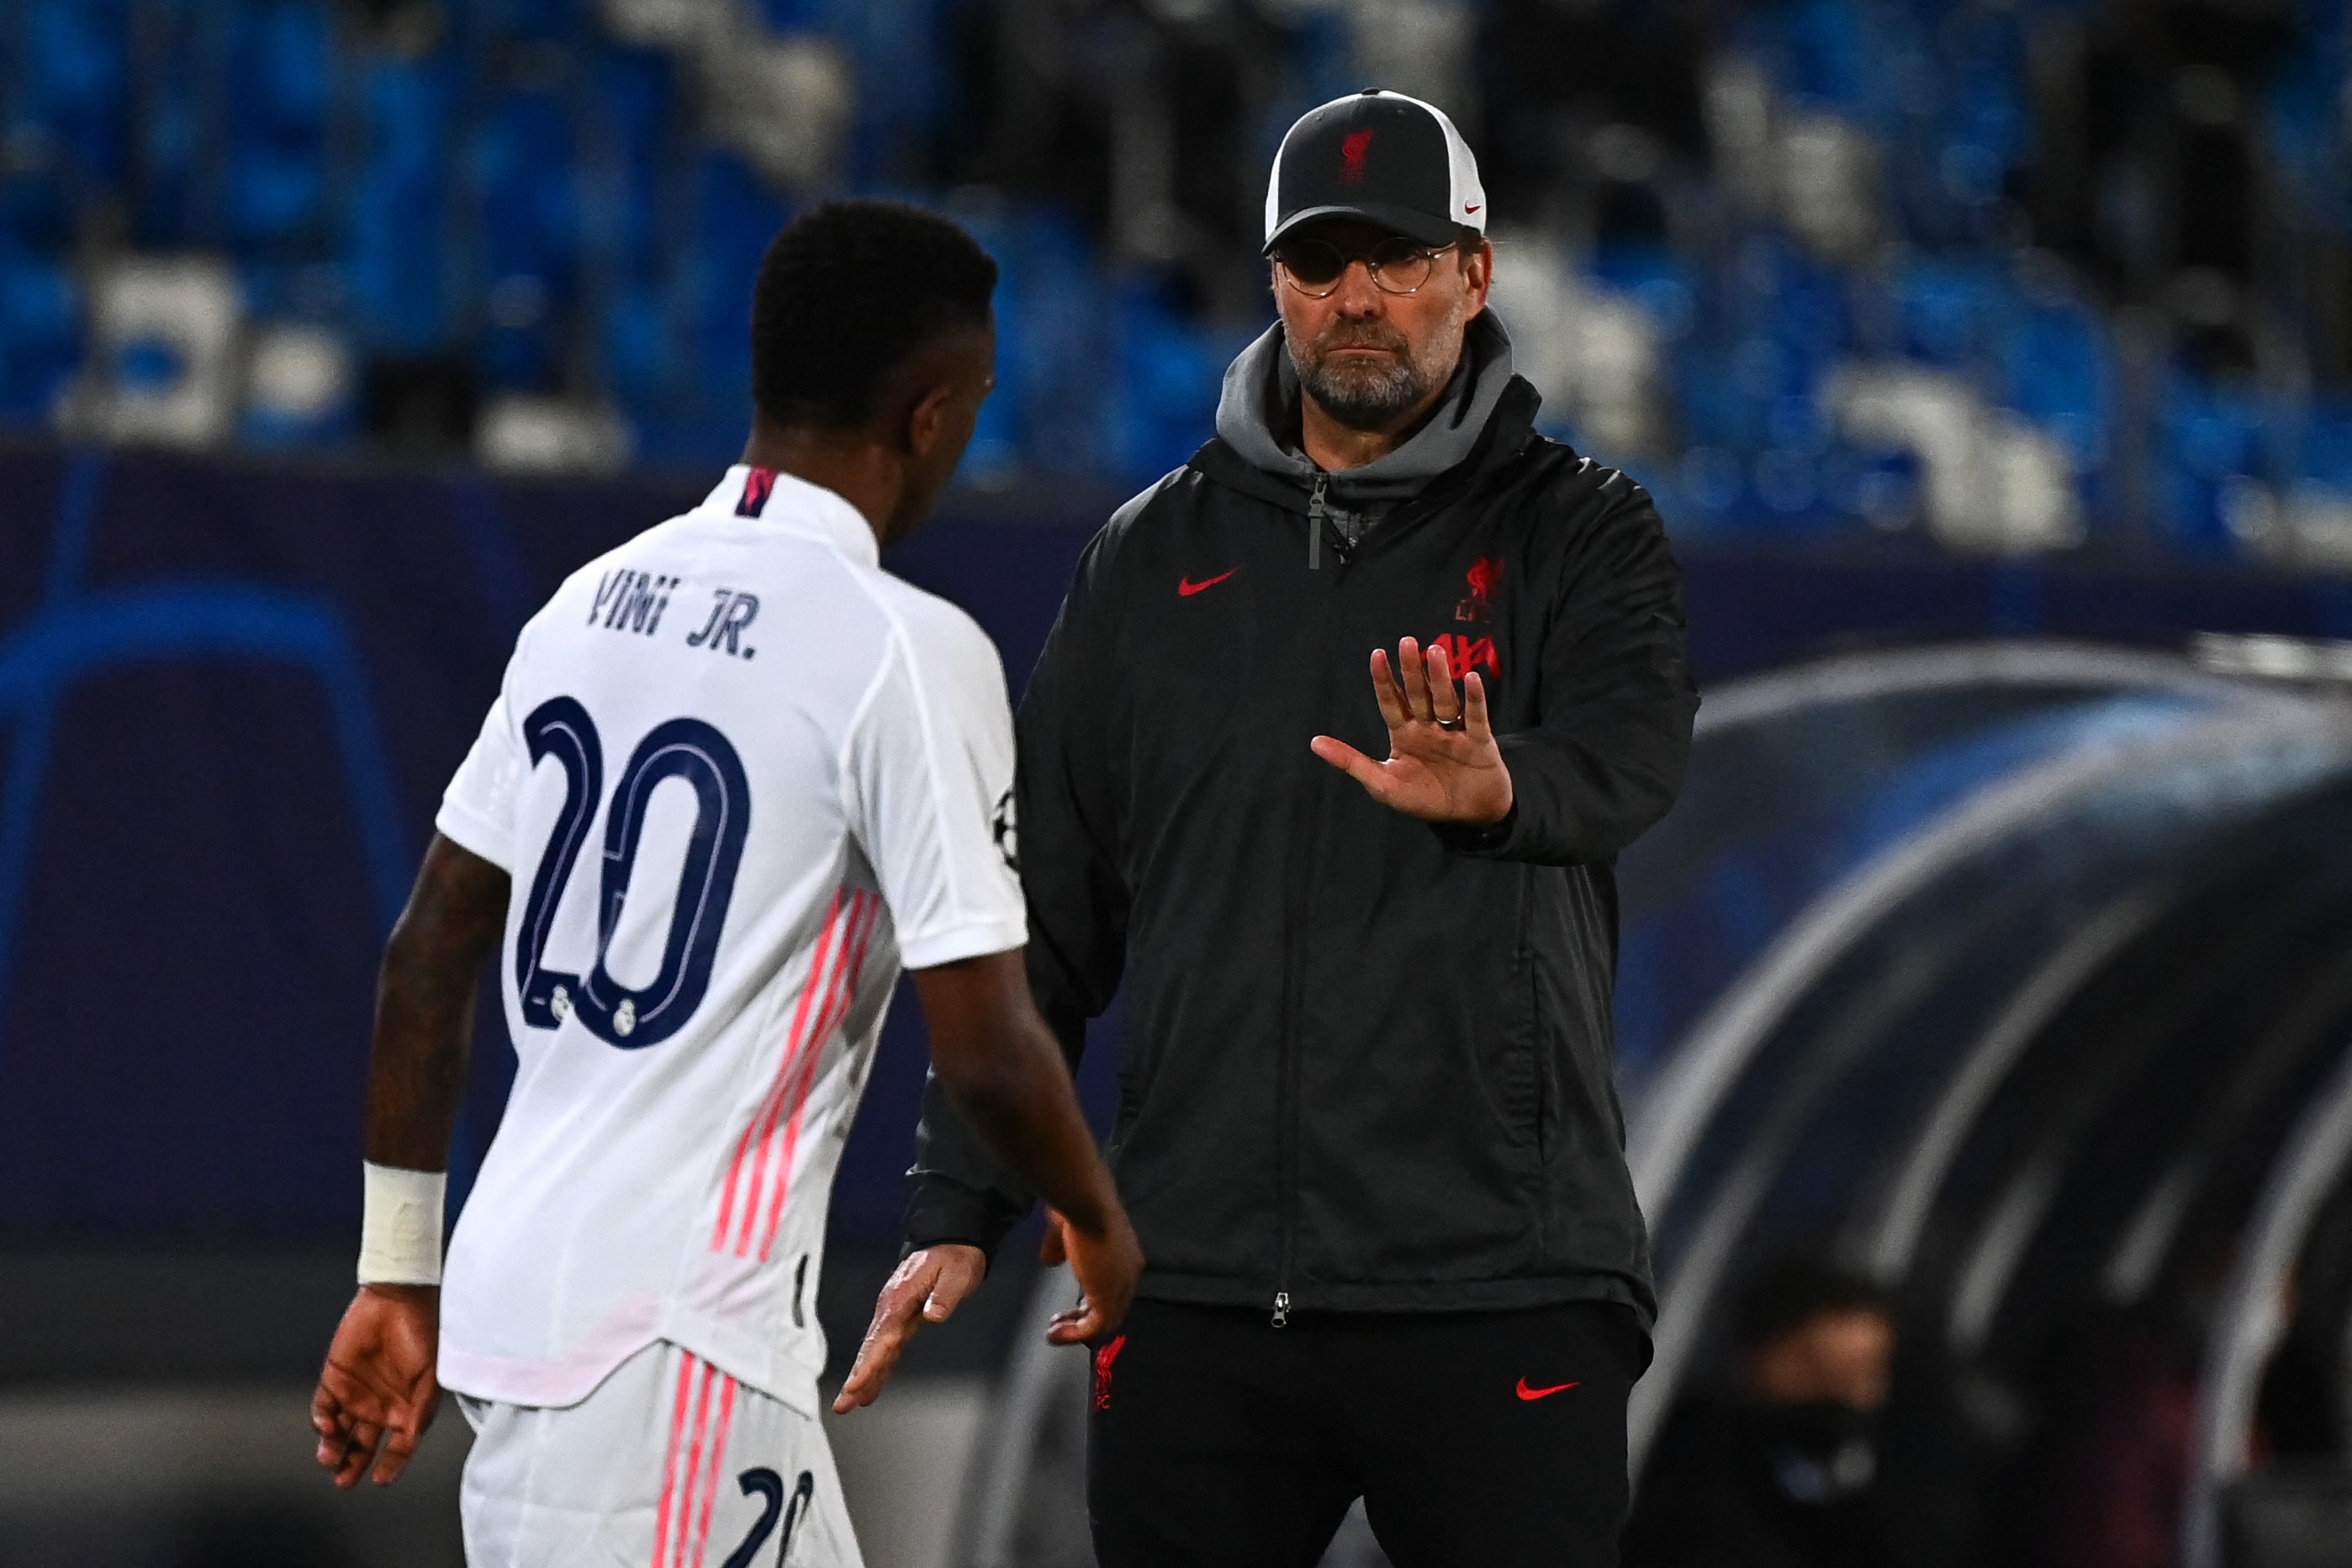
(774, 496)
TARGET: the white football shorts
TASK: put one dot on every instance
(669, 1463)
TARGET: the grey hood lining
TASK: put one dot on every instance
(1257, 416)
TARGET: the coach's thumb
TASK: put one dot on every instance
(1053, 1248)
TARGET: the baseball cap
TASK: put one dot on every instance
(1380, 156)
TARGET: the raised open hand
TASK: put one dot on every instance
(1444, 765)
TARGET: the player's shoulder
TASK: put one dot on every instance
(934, 632)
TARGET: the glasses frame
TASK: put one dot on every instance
(1426, 255)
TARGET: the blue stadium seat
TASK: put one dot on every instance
(279, 89)
(625, 192)
(396, 239)
(35, 208)
(40, 335)
(2058, 370)
(1170, 371)
(736, 215)
(1953, 310)
(2326, 444)
(72, 80)
(2207, 435)
(636, 95)
(526, 174)
(1065, 361)
(548, 21)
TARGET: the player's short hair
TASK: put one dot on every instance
(847, 294)
(1785, 1295)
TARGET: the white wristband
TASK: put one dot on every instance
(400, 1230)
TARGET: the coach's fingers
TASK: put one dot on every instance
(877, 1358)
(899, 1312)
(1474, 722)
(1444, 705)
(1417, 678)
(949, 1286)
(1387, 693)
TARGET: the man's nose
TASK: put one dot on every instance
(1358, 295)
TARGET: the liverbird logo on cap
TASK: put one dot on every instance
(1353, 148)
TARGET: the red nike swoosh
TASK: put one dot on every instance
(1472, 207)
(1187, 587)
(1526, 1393)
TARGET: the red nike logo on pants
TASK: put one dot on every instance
(1526, 1393)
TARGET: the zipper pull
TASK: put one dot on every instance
(1315, 535)
(1282, 1309)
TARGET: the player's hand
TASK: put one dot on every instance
(1106, 1266)
(926, 1288)
(1444, 765)
(378, 1392)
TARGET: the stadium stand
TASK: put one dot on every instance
(2042, 276)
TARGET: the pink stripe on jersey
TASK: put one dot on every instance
(805, 1047)
(817, 989)
(669, 1463)
(710, 1485)
(694, 1476)
(808, 1075)
(752, 1130)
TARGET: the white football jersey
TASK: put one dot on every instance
(739, 776)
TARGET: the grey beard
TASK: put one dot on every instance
(1364, 400)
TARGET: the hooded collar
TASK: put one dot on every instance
(1257, 417)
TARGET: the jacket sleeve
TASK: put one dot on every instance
(1614, 694)
(1065, 791)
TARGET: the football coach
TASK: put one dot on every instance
(1366, 920)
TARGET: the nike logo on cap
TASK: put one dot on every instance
(1472, 206)
(1526, 1393)
(1186, 586)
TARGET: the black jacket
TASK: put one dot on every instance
(1366, 1063)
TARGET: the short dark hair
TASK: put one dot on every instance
(1785, 1295)
(848, 293)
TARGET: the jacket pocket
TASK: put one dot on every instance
(1520, 1081)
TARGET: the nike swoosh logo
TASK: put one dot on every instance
(1186, 586)
(1526, 1393)
(1472, 207)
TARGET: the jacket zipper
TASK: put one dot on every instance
(1300, 876)
(1315, 523)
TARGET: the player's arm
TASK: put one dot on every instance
(378, 1391)
(1002, 1070)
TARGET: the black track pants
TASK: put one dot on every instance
(1476, 1439)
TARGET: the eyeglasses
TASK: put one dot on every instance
(1314, 267)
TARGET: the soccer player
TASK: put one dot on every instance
(736, 777)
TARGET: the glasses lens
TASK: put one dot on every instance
(1400, 266)
(1312, 263)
